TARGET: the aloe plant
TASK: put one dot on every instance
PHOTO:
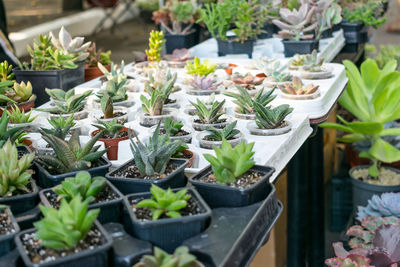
(296, 87)
(61, 126)
(8, 134)
(180, 258)
(74, 104)
(17, 115)
(200, 69)
(64, 228)
(59, 94)
(70, 156)
(230, 163)
(152, 158)
(220, 134)
(165, 202)
(271, 118)
(14, 172)
(110, 128)
(245, 102)
(208, 115)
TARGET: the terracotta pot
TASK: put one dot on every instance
(188, 152)
(354, 160)
(94, 72)
(25, 106)
(112, 143)
(28, 143)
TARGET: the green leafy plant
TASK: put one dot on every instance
(227, 133)
(61, 126)
(110, 128)
(14, 173)
(245, 103)
(296, 87)
(165, 202)
(97, 56)
(6, 73)
(116, 81)
(201, 69)
(208, 115)
(156, 42)
(64, 228)
(231, 163)
(18, 116)
(6, 133)
(180, 258)
(153, 158)
(386, 53)
(60, 95)
(82, 185)
(363, 12)
(172, 127)
(271, 118)
(248, 21)
(74, 104)
(70, 156)
(15, 92)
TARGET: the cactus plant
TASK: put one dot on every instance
(245, 102)
(227, 133)
(74, 104)
(384, 205)
(70, 156)
(271, 118)
(204, 82)
(156, 42)
(208, 115)
(180, 258)
(14, 173)
(296, 87)
(201, 69)
(8, 134)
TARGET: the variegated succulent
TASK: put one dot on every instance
(205, 82)
(245, 102)
(271, 118)
(296, 87)
(116, 81)
(74, 104)
(208, 115)
(274, 70)
(312, 63)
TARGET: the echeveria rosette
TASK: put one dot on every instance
(388, 204)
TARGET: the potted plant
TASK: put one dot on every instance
(296, 91)
(177, 19)
(112, 133)
(74, 105)
(156, 42)
(233, 179)
(269, 10)
(183, 152)
(8, 230)
(17, 188)
(6, 133)
(55, 63)
(152, 163)
(372, 87)
(190, 110)
(19, 118)
(108, 112)
(274, 72)
(208, 115)
(245, 103)
(175, 131)
(385, 205)
(314, 69)
(98, 191)
(68, 236)
(252, 84)
(328, 14)
(180, 257)
(297, 29)
(213, 137)
(178, 58)
(153, 110)
(297, 62)
(96, 56)
(68, 158)
(61, 96)
(167, 217)
(269, 120)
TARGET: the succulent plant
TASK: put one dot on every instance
(245, 102)
(111, 128)
(274, 69)
(156, 42)
(219, 134)
(107, 106)
(384, 205)
(172, 127)
(165, 202)
(328, 14)
(6, 73)
(73, 47)
(246, 80)
(8, 134)
(64, 228)
(159, 79)
(21, 92)
(61, 126)
(271, 118)
(231, 163)
(97, 56)
(204, 82)
(14, 173)
(70, 156)
(180, 258)
(296, 87)
(297, 61)
(59, 94)
(208, 115)
(153, 158)
(5, 91)
(74, 104)
(82, 185)
(178, 55)
(201, 69)
(17, 115)
(116, 80)
(312, 63)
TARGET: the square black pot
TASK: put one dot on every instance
(63, 79)
(268, 31)
(92, 257)
(22, 203)
(225, 196)
(169, 233)
(7, 241)
(175, 41)
(110, 211)
(231, 47)
(328, 33)
(354, 32)
(133, 185)
(302, 47)
(46, 180)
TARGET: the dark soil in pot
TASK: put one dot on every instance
(133, 172)
(23, 201)
(248, 179)
(6, 226)
(180, 133)
(116, 114)
(8, 229)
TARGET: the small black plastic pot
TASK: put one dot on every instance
(354, 32)
(268, 31)
(363, 191)
(23, 202)
(225, 196)
(328, 33)
(292, 48)
(231, 47)
(7, 241)
(110, 211)
(64, 79)
(169, 233)
(133, 185)
(46, 180)
(178, 41)
(92, 257)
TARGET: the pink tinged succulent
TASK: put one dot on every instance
(246, 79)
(205, 82)
(178, 55)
